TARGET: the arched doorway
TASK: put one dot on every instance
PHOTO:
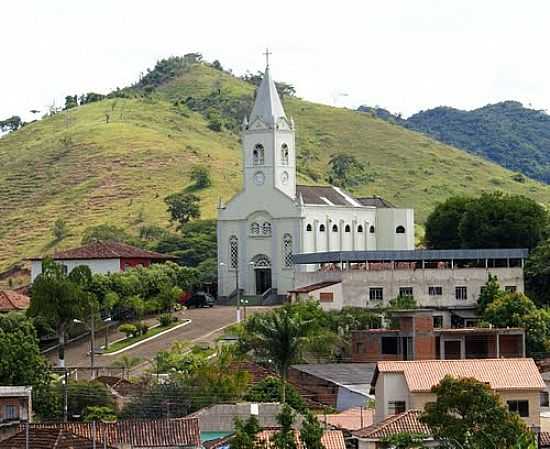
(262, 273)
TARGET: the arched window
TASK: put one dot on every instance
(322, 228)
(234, 251)
(254, 228)
(266, 228)
(371, 229)
(287, 250)
(347, 228)
(309, 228)
(258, 155)
(400, 230)
(360, 228)
(284, 154)
(334, 228)
(261, 261)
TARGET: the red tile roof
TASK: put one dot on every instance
(352, 419)
(313, 287)
(12, 301)
(404, 422)
(48, 439)
(138, 433)
(107, 250)
(500, 374)
(331, 439)
(545, 439)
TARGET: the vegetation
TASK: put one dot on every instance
(346, 171)
(489, 293)
(12, 123)
(183, 207)
(201, 177)
(537, 274)
(466, 413)
(270, 389)
(405, 440)
(76, 166)
(59, 230)
(246, 433)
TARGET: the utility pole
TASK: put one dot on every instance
(238, 294)
(92, 345)
(65, 397)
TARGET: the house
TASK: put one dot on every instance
(444, 279)
(50, 439)
(418, 334)
(15, 405)
(102, 257)
(349, 420)
(328, 294)
(137, 434)
(11, 301)
(404, 385)
(340, 385)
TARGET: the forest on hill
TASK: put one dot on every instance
(516, 137)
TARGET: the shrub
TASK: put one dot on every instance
(165, 319)
(129, 329)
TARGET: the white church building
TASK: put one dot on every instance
(272, 218)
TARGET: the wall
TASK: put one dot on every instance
(356, 284)
(387, 220)
(321, 390)
(390, 387)
(102, 266)
(335, 289)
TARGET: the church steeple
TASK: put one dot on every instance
(268, 106)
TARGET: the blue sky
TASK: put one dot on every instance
(401, 54)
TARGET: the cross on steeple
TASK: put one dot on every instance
(266, 54)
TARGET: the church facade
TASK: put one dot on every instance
(272, 218)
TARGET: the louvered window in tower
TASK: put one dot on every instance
(234, 251)
(287, 250)
(258, 155)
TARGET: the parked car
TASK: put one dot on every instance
(200, 299)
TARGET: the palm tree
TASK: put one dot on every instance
(127, 363)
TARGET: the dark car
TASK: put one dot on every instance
(200, 299)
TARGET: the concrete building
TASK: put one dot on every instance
(435, 278)
(102, 257)
(15, 405)
(420, 335)
(404, 385)
(273, 218)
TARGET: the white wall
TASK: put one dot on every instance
(389, 387)
(387, 220)
(101, 266)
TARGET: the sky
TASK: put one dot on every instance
(404, 55)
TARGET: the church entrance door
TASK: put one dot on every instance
(262, 273)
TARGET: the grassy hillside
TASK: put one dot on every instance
(77, 166)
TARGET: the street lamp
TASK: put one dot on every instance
(238, 310)
(92, 339)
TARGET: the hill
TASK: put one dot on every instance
(113, 161)
(507, 133)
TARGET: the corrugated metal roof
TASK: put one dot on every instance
(340, 373)
(410, 255)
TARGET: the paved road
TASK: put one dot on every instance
(205, 325)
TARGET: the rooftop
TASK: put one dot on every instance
(313, 287)
(48, 439)
(267, 106)
(12, 301)
(500, 374)
(404, 422)
(15, 391)
(375, 201)
(351, 419)
(331, 439)
(340, 373)
(107, 250)
(480, 330)
(326, 196)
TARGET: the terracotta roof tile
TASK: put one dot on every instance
(12, 301)
(48, 439)
(137, 433)
(352, 419)
(404, 422)
(500, 374)
(545, 439)
(331, 439)
(313, 287)
(107, 250)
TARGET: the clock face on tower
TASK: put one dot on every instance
(259, 178)
(284, 177)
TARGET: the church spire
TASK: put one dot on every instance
(268, 106)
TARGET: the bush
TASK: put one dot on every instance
(129, 329)
(141, 328)
(165, 319)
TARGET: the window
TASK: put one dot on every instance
(322, 228)
(437, 321)
(397, 407)
(347, 228)
(334, 228)
(11, 412)
(284, 154)
(510, 289)
(376, 293)
(435, 291)
(371, 229)
(359, 228)
(519, 407)
(544, 402)
(254, 229)
(406, 291)
(400, 230)
(234, 251)
(326, 297)
(390, 345)
(287, 250)
(461, 293)
(258, 155)
(359, 346)
(309, 228)
(266, 228)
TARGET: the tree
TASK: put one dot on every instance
(99, 413)
(311, 432)
(442, 225)
(183, 207)
(270, 389)
(127, 363)
(403, 302)
(537, 274)
(346, 171)
(489, 293)
(59, 299)
(405, 440)
(466, 411)
(246, 433)
(59, 229)
(12, 123)
(285, 437)
(71, 101)
(200, 176)
(107, 232)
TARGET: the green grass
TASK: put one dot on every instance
(121, 344)
(76, 166)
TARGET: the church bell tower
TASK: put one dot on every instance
(268, 142)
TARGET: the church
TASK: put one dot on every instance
(272, 218)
